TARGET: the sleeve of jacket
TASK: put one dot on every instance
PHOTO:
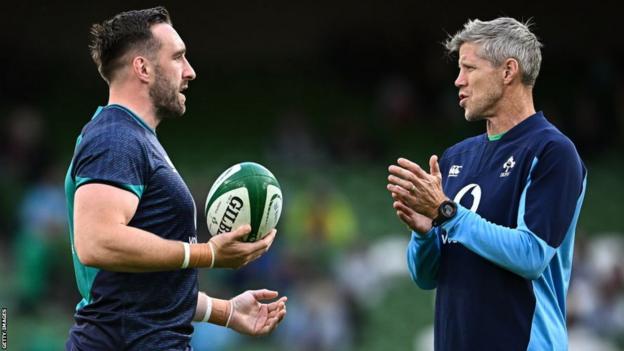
(423, 257)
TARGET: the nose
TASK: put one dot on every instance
(460, 81)
(189, 72)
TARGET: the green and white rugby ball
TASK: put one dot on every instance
(246, 193)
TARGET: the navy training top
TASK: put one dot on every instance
(133, 311)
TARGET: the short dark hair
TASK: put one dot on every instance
(113, 38)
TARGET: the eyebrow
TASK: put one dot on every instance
(179, 52)
(463, 62)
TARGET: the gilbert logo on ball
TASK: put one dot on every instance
(246, 193)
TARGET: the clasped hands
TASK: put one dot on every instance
(416, 193)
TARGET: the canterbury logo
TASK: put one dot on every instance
(454, 171)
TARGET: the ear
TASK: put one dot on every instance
(511, 70)
(142, 68)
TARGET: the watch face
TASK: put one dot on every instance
(447, 210)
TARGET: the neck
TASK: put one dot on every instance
(513, 109)
(135, 98)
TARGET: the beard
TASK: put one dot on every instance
(165, 97)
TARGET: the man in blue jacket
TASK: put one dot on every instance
(494, 220)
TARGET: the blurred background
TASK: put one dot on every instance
(326, 94)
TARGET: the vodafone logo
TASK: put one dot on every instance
(475, 191)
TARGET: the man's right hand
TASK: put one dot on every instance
(232, 252)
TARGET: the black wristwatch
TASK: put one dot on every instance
(446, 211)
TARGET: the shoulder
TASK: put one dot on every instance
(555, 155)
(549, 141)
(114, 128)
(113, 147)
(113, 138)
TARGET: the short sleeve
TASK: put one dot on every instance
(555, 191)
(116, 156)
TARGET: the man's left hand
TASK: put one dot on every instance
(252, 317)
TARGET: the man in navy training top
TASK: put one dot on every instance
(493, 222)
(132, 218)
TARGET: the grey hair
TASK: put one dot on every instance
(500, 39)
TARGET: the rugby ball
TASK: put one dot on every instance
(246, 193)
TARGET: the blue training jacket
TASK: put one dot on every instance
(502, 265)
